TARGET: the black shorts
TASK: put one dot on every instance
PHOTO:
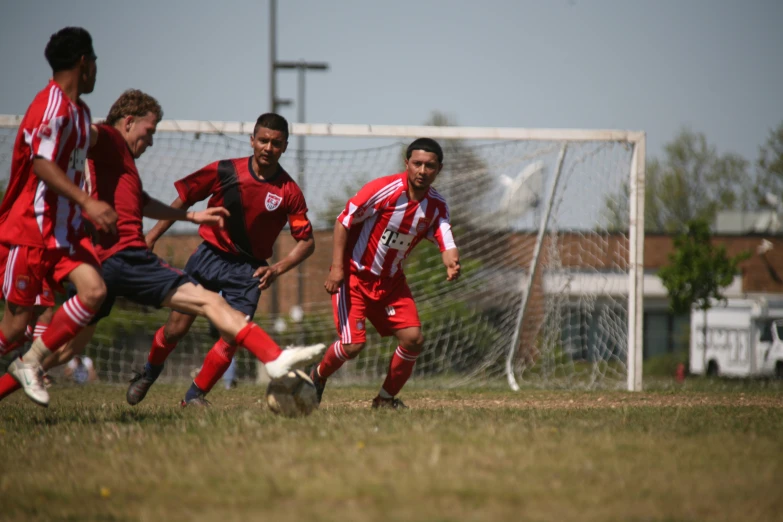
(227, 274)
(140, 276)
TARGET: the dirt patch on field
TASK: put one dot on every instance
(563, 402)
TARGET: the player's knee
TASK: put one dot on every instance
(353, 350)
(414, 344)
(173, 332)
(93, 293)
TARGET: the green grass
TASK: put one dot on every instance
(703, 451)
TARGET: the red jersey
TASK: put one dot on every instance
(115, 180)
(57, 129)
(259, 208)
(384, 225)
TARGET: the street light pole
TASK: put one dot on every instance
(272, 55)
(301, 68)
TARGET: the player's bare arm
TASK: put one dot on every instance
(451, 262)
(156, 209)
(336, 272)
(303, 249)
(100, 213)
(163, 225)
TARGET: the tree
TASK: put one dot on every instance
(698, 271)
(691, 182)
(769, 166)
(464, 179)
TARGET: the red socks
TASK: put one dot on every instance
(216, 363)
(160, 349)
(400, 370)
(258, 342)
(8, 385)
(39, 330)
(334, 358)
(68, 320)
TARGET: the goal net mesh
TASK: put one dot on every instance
(574, 330)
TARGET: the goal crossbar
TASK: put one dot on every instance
(389, 131)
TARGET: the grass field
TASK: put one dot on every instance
(705, 451)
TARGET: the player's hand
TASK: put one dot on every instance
(335, 280)
(453, 271)
(210, 216)
(266, 275)
(101, 214)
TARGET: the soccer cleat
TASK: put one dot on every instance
(320, 382)
(30, 378)
(294, 357)
(393, 403)
(140, 384)
(199, 401)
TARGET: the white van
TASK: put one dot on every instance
(743, 339)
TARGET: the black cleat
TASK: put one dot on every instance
(140, 384)
(393, 403)
(320, 383)
(199, 401)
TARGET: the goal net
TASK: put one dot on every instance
(548, 224)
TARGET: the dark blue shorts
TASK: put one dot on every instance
(227, 274)
(140, 276)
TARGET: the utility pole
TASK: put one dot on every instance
(301, 68)
(275, 103)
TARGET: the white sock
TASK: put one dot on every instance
(383, 394)
(37, 352)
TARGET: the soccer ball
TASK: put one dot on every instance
(292, 395)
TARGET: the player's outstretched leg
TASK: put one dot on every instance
(234, 328)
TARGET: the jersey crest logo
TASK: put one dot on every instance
(422, 225)
(360, 324)
(22, 282)
(273, 201)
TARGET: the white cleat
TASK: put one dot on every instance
(294, 357)
(31, 378)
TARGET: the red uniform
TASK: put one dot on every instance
(383, 228)
(259, 207)
(43, 229)
(118, 184)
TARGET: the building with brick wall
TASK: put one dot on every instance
(760, 275)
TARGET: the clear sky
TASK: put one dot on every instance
(655, 65)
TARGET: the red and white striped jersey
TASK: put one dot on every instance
(384, 225)
(57, 129)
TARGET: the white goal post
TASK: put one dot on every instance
(552, 288)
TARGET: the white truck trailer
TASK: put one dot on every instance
(743, 339)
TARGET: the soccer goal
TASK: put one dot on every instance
(549, 225)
